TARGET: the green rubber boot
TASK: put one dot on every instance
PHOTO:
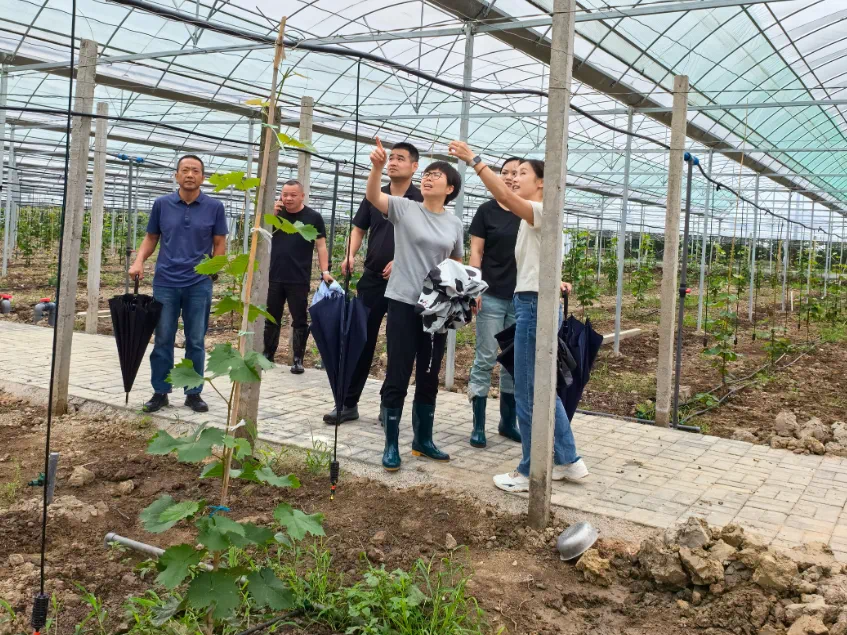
(391, 423)
(478, 434)
(509, 417)
(423, 416)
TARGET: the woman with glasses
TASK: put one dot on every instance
(494, 230)
(425, 235)
(525, 201)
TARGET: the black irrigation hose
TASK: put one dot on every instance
(179, 16)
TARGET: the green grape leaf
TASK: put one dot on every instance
(162, 613)
(224, 359)
(225, 180)
(309, 232)
(297, 523)
(183, 375)
(249, 184)
(178, 512)
(211, 266)
(227, 304)
(210, 536)
(267, 476)
(163, 443)
(255, 359)
(175, 565)
(199, 446)
(268, 590)
(240, 447)
(256, 310)
(150, 515)
(282, 539)
(256, 534)
(214, 470)
(215, 588)
(237, 267)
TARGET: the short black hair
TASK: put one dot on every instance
(537, 166)
(408, 147)
(191, 156)
(294, 182)
(508, 161)
(452, 175)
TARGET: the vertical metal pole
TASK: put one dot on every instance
(129, 235)
(248, 199)
(706, 217)
(4, 89)
(332, 218)
(828, 255)
(622, 233)
(753, 250)
(7, 231)
(811, 253)
(112, 236)
(550, 257)
(459, 209)
(785, 254)
(682, 293)
(670, 262)
(599, 243)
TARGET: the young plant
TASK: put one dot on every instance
(642, 277)
(609, 265)
(579, 269)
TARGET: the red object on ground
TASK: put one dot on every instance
(5, 296)
(45, 299)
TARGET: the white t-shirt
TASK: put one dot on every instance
(528, 251)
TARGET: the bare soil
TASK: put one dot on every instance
(517, 576)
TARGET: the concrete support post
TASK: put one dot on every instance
(8, 244)
(72, 234)
(670, 258)
(248, 404)
(706, 215)
(4, 90)
(95, 232)
(248, 196)
(546, 348)
(459, 208)
(304, 160)
(622, 234)
(785, 255)
(755, 238)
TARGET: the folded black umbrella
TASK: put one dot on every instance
(134, 318)
(339, 326)
(578, 345)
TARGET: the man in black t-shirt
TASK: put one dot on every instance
(402, 165)
(494, 231)
(291, 272)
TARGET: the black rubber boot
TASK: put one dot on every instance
(423, 416)
(478, 434)
(508, 417)
(158, 401)
(298, 345)
(391, 423)
(347, 414)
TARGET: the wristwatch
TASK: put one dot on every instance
(476, 160)
(324, 273)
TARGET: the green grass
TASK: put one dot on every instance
(10, 491)
(834, 333)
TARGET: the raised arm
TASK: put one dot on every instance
(507, 198)
(374, 193)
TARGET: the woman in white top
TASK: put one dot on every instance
(525, 201)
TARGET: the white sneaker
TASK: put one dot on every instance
(512, 482)
(573, 472)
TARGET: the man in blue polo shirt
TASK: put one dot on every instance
(190, 226)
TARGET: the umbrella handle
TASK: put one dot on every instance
(136, 285)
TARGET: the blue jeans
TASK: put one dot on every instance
(564, 445)
(494, 316)
(194, 303)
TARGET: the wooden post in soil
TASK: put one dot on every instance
(232, 421)
(95, 240)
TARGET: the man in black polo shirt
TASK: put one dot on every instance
(291, 272)
(402, 165)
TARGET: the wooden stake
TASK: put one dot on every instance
(279, 55)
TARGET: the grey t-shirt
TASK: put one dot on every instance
(422, 240)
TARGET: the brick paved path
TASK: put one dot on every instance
(651, 476)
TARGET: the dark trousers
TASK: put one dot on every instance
(371, 291)
(409, 346)
(297, 296)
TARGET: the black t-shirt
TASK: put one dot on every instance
(499, 228)
(291, 254)
(381, 235)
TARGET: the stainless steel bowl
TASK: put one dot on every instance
(576, 540)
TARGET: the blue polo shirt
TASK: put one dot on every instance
(186, 232)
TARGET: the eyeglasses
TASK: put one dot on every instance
(432, 176)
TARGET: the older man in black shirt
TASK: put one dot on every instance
(402, 165)
(291, 272)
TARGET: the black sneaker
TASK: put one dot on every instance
(196, 403)
(347, 414)
(158, 401)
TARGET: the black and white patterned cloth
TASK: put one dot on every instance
(448, 290)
